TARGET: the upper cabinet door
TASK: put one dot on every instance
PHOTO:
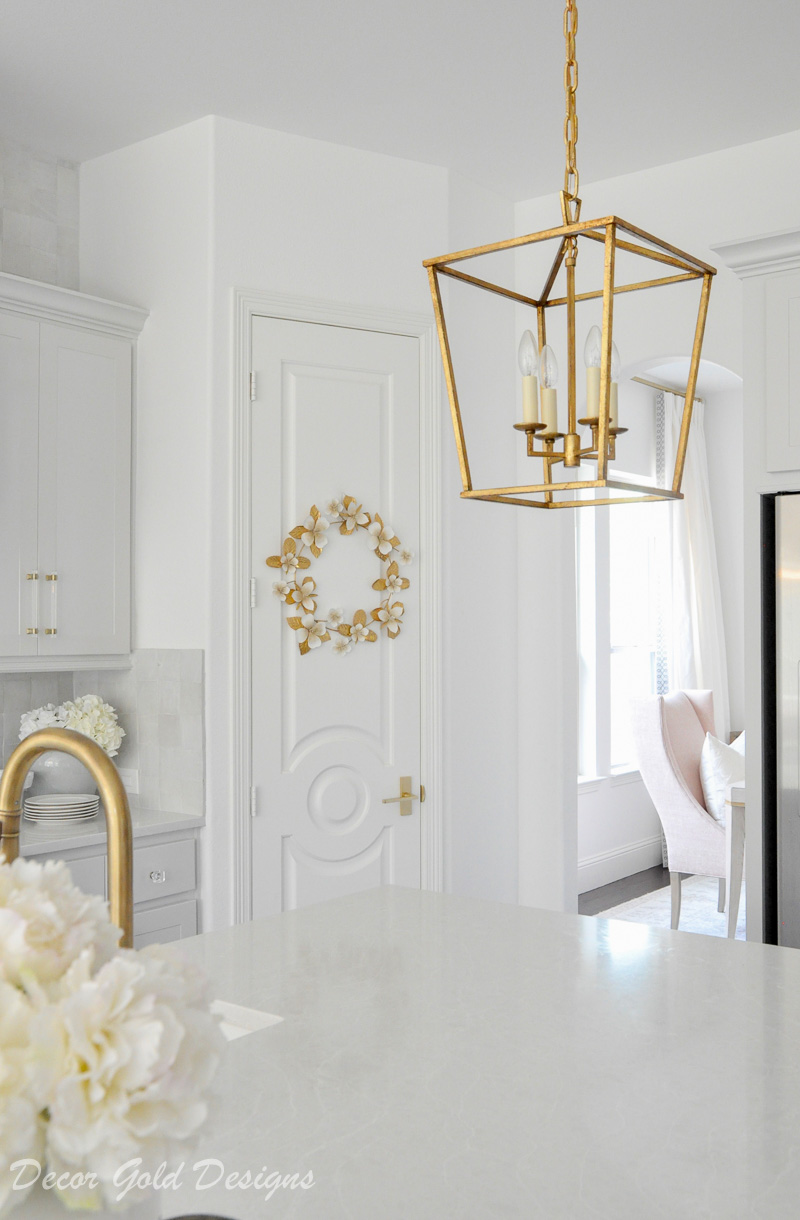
(84, 492)
(783, 372)
(19, 429)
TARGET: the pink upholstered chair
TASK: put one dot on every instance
(669, 731)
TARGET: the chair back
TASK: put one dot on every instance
(668, 732)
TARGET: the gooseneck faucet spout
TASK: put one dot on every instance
(112, 795)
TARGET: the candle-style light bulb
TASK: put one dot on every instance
(613, 404)
(548, 368)
(528, 354)
(593, 348)
(548, 377)
(592, 358)
(528, 357)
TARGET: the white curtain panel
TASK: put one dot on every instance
(698, 660)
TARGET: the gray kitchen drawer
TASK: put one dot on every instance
(163, 924)
(164, 869)
(89, 874)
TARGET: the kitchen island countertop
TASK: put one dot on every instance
(443, 1058)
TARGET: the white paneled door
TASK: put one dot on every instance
(336, 412)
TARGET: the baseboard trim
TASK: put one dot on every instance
(619, 862)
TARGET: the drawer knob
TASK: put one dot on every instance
(158, 876)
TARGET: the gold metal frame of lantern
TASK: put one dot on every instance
(540, 423)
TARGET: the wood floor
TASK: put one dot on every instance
(595, 901)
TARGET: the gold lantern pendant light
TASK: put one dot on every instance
(537, 360)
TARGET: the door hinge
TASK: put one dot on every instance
(253, 593)
(253, 803)
(252, 387)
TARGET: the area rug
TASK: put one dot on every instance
(698, 909)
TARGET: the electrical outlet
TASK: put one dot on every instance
(130, 780)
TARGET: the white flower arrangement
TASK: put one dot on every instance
(87, 714)
(106, 1054)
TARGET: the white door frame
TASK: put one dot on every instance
(248, 304)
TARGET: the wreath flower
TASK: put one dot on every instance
(288, 560)
(314, 630)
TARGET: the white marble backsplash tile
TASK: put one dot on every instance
(38, 215)
(160, 706)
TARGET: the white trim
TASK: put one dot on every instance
(54, 304)
(608, 866)
(762, 255)
(247, 304)
(48, 665)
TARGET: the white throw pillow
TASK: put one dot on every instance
(720, 766)
(738, 744)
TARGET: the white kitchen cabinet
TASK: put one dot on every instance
(66, 363)
(165, 881)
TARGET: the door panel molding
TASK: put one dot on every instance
(247, 304)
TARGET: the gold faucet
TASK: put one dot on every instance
(112, 795)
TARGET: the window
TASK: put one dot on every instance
(624, 558)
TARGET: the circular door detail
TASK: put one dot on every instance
(338, 800)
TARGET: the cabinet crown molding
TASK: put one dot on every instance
(762, 255)
(54, 304)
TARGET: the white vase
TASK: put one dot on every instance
(55, 771)
(43, 1204)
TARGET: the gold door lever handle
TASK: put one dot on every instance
(406, 796)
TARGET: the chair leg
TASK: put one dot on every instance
(735, 849)
(675, 887)
(721, 903)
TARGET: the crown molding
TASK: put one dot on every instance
(761, 255)
(54, 304)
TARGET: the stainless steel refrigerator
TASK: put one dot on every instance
(781, 663)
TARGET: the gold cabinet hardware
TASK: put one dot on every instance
(422, 794)
(51, 576)
(406, 796)
(32, 631)
(31, 575)
(51, 631)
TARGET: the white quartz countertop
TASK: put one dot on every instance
(448, 1058)
(38, 838)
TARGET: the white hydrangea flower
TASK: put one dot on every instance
(341, 646)
(359, 633)
(21, 1132)
(334, 507)
(127, 1056)
(47, 717)
(88, 714)
(405, 555)
(46, 923)
(281, 589)
(335, 617)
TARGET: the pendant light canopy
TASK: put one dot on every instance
(550, 437)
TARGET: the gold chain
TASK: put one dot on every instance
(571, 120)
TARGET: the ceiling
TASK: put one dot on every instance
(475, 85)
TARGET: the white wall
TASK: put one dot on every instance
(146, 224)
(176, 223)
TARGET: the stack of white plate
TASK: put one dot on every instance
(57, 806)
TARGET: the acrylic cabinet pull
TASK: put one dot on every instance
(34, 578)
(53, 578)
(158, 876)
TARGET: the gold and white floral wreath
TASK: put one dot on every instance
(301, 591)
